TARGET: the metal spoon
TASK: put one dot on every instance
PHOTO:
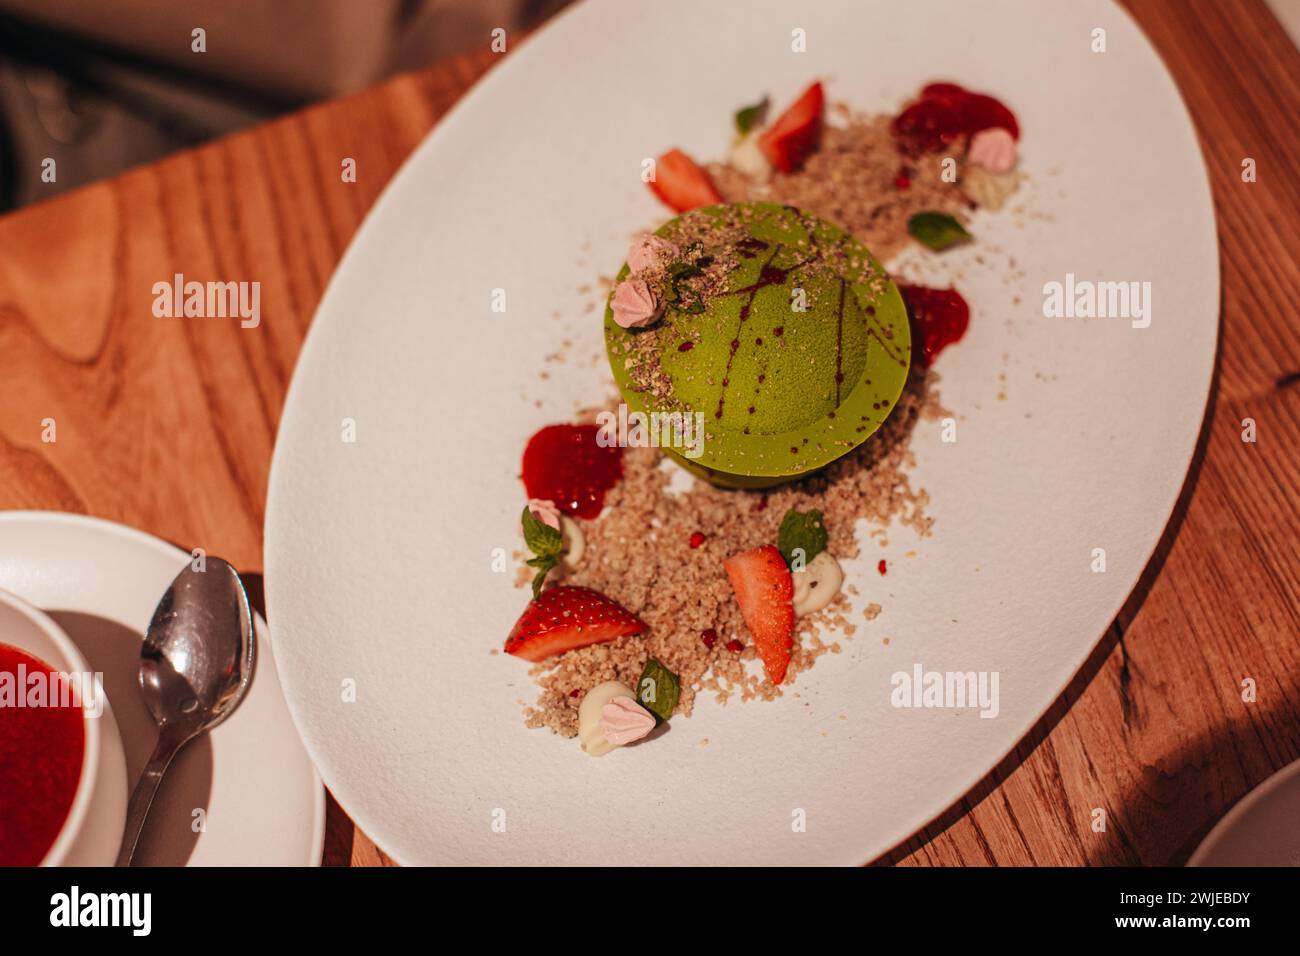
(195, 666)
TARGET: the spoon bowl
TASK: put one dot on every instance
(197, 658)
(196, 664)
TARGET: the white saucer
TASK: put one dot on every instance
(261, 799)
(1263, 829)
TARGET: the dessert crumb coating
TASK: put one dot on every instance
(852, 179)
(639, 553)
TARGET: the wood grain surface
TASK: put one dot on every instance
(168, 425)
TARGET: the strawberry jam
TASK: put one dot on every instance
(945, 113)
(41, 749)
(564, 464)
(939, 318)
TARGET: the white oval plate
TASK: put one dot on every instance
(262, 802)
(378, 551)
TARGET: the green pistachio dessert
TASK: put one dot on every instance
(758, 342)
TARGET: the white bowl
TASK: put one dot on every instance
(92, 832)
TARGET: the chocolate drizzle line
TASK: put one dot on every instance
(767, 275)
(839, 343)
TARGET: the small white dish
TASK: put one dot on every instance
(244, 794)
(92, 831)
(1262, 829)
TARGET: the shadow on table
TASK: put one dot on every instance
(1178, 802)
(339, 828)
(1118, 850)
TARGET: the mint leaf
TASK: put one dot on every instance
(938, 230)
(540, 577)
(546, 543)
(801, 531)
(678, 272)
(657, 690)
(751, 116)
(541, 538)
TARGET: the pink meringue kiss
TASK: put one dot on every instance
(623, 721)
(649, 252)
(994, 150)
(635, 304)
(545, 511)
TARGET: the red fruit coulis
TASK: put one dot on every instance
(945, 113)
(939, 318)
(882, 567)
(563, 464)
(41, 750)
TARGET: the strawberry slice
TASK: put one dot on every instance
(567, 617)
(681, 183)
(788, 141)
(765, 593)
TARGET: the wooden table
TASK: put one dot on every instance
(168, 425)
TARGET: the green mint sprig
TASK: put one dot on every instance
(547, 545)
(751, 116)
(937, 230)
(657, 690)
(802, 537)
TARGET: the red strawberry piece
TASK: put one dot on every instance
(765, 593)
(681, 183)
(565, 618)
(788, 141)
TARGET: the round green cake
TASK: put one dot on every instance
(779, 332)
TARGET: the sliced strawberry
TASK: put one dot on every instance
(788, 141)
(566, 617)
(682, 184)
(765, 593)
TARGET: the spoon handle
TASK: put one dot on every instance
(145, 790)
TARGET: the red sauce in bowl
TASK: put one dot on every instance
(41, 751)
